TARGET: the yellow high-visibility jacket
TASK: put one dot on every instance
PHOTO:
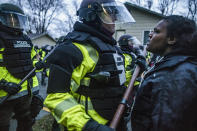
(65, 107)
(129, 69)
(10, 78)
(77, 61)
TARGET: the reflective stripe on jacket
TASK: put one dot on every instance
(64, 106)
(79, 66)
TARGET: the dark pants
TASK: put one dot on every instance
(21, 109)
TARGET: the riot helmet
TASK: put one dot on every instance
(12, 16)
(36, 47)
(129, 41)
(108, 11)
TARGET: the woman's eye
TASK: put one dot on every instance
(156, 31)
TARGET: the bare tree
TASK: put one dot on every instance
(65, 24)
(150, 4)
(192, 7)
(19, 3)
(138, 2)
(163, 6)
(71, 15)
(132, 1)
(42, 13)
(167, 6)
(174, 4)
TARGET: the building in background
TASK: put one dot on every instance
(145, 22)
(42, 39)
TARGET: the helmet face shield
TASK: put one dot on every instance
(115, 13)
(13, 20)
(134, 42)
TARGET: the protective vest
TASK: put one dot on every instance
(131, 65)
(130, 60)
(106, 85)
(16, 54)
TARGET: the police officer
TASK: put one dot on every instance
(87, 73)
(16, 53)
(130, 46)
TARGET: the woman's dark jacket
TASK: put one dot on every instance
(167, 98)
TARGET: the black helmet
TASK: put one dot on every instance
(12, 16)
(128, 40)
(108, 11)
(124, 39)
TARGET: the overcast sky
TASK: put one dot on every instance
(181, 10)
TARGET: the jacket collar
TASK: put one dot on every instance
(168, 61)
(88, 29)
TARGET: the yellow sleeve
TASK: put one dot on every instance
(64, 106)
(67, 111)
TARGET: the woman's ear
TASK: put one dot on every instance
(171, 40)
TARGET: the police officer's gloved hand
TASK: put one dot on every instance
(39, 65)
(92, 125)
(138, 51)
(141, 61)
(9, 87)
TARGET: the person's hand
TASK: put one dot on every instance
(141, 61)
(39, 65)
(138, 51)
(10, 87)
(92, 125)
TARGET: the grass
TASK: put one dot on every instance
(44, 124)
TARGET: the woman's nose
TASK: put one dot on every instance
(150, 34)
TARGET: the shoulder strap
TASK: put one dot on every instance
(77, 36)
(101, 46)
(85, 38)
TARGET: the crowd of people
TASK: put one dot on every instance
(89, 72)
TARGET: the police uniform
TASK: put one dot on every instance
(16, 53)
(92, 84)
(87, 71)
(15, 64)
(130, 64)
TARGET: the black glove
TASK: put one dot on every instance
(138, 51)
(39, 65)
(92, 125)
(9, 87)
(141, 61)
(36, 105)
